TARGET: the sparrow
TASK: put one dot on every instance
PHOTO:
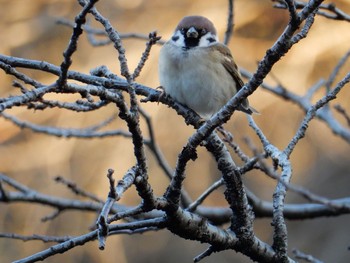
(197, 70)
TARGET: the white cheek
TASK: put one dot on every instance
(178, 39)
(207, 40)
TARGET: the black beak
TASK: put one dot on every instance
(192, 33)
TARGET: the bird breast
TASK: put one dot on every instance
(196, 78)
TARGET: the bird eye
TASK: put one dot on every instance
(203, 32)
(183, 30)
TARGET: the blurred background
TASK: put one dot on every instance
(321, 161)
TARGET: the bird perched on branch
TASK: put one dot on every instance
(197, 70)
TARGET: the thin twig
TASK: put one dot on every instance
(3, 195)
(72, 46)
(311, 113)
(116, 40)
(125, 183)
(308, 258)
(76, 189)
(278, 221)
(102, 224)
(52, 216)
(192, 207)
(100, 32)
(230, 22)
(330, 10)
(306, 28)
(228, 138)
(134, 212)
(204, 254)
(304, 102)
(336, 70)
(18, 75)
(28, 97)
(162, 162)
(130, 116)
(112, 191)
(16, 185)
(43, 238)
(153, 39)
(89, 132)
(302, 191)
(343, 112)
(292, 11)
(60, 248)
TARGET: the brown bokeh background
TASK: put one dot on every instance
(320, 161)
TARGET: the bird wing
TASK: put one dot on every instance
(231, 67)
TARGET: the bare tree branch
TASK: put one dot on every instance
(176, 210)
(308, 258)
(100, 32)
(330, 10)
(72, 46)
(77, 190)
(311, 113)
(42, 238)
(230, 22)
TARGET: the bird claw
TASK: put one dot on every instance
(162, 93)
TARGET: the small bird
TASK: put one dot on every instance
(197, 70)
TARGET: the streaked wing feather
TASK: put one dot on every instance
(231, 67)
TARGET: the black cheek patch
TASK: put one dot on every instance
(211, 39)
(175, 38)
